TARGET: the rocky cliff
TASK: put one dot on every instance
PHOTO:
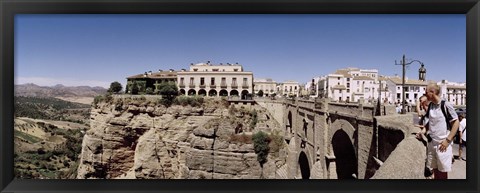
(142, 139)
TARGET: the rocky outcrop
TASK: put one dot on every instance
(142, 140)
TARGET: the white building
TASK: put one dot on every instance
(455, 93)
(352, 85)
(215, 80)
(288, 88)
(413, 89)
(266, 85)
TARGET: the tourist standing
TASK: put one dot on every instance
(439, 149)
(463, 135)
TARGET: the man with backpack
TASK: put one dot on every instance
(442, 125)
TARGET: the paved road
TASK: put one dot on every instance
(459, 167)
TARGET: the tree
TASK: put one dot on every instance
(168, 89)
(115, 87)
(134, 88)
(260, 146)
(260, 93)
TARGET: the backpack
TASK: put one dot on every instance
(447, 118)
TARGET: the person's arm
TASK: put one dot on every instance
(454, 122)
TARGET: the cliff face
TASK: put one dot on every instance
(137, 139)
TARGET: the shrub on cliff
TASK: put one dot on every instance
(194, 101)
(115, 87)
(260, 145)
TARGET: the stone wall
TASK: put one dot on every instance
(275, 107)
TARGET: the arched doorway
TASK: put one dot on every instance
(182, 91)
(212, 92)
(192, 92)
(304, 166)
(244, 94)
(223, 92)
(345, 159)
(234, 93)
(202, 92)
(289, 123)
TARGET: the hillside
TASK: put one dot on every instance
(48, 135)
(51, 109)
(33, 90)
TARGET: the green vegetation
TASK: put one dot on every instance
(59, 163)
(254, 121)
(260, 145)
(28, 137)
(115, 87)
(50, 109)
(194, 101)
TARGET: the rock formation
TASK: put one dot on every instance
(141, 139)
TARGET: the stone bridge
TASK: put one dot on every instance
(328, 140)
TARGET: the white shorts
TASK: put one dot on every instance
(439, 160)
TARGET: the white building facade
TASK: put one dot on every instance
(455, 93)
(289, 88)
(266, 85)
(215, 80)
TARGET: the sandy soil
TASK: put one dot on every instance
(83, 100)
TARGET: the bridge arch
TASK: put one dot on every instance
(341, 138)
(304, 165)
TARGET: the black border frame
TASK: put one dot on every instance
(8, 8)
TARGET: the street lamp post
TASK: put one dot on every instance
(404, 63)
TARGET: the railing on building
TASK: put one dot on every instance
(181, 85)
(213, 86)
(245, 86)
(191, 85)
(202, 85)
(234, 86)
(223, 85)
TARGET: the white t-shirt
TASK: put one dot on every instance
(438, 127)
(463, 125)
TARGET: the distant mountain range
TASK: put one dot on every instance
(33, 90)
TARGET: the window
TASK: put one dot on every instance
(348, 79)
(348, 90)
(398, 95)
(202, 81)
(407, 96)
(181, 80)
(338, 83)
(338, 78)
(191, 81)
(348, 85)
(245, 81)
(398, 88)
(295, 87)
(234, 81)
(212, 81)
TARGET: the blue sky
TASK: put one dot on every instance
(96, 50)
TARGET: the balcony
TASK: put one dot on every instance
(181, 85)
(223, 85)
(234, 86)
(245, 86)
(202, 85)
(213, 86)
(191, 85)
